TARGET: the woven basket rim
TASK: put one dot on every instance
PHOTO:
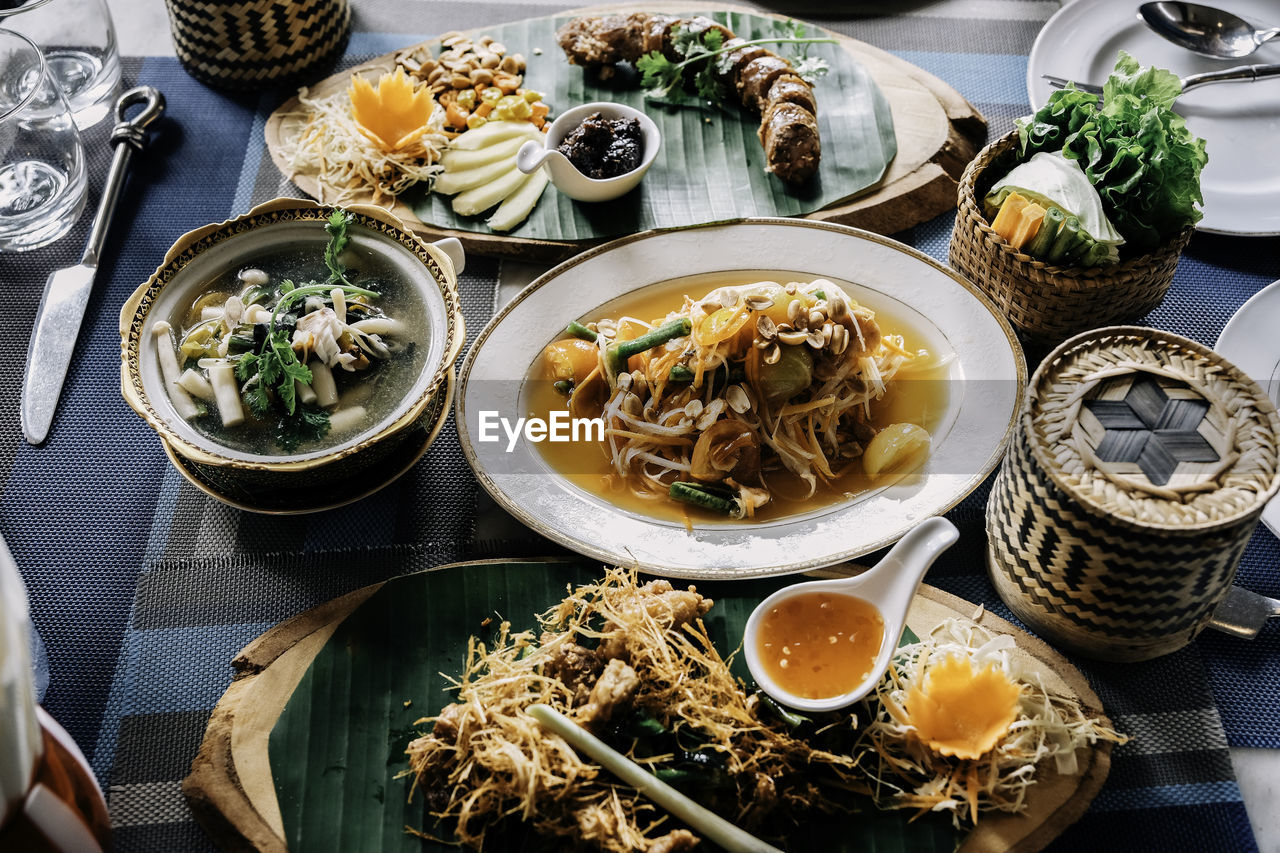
(1262, 402)
(1083, 277)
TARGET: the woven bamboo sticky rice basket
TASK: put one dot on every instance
(1136, 475)
(258, 43)
(1048, 304)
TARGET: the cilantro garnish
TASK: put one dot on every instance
(697, 48)
(336, 228)
(270, 374)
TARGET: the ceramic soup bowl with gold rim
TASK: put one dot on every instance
(420, 276)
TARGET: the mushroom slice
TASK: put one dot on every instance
(589, 396)
(726, 448)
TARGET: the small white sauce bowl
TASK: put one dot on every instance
(565, 175)
(889, 586)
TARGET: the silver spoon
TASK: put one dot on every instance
(1205, 30)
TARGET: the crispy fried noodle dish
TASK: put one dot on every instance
(635, 665)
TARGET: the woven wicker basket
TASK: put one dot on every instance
(260, 43)
(1136, 475)
(1048, 304)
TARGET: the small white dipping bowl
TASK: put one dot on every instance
(889, 586)
(565, 175)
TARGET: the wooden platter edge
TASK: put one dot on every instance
(236, 821)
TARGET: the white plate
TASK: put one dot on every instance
(1240, 122)
(988, 375)
(1249, 342)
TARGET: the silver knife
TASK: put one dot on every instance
(66, 293)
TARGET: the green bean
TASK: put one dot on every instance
(580, 331)
(617, 353)
(691, 493)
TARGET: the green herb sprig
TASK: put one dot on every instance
(698, 48)
(276, 367)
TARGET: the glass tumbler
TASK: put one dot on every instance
(42, 169)
(78, 40)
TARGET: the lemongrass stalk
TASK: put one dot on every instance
(732, 838)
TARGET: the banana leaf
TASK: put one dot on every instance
(711, 164)
(337, 750)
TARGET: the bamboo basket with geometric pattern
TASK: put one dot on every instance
(259, 43)
(1136, 475)
(1047, 303)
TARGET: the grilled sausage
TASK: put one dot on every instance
(789, 134)
(764, 82)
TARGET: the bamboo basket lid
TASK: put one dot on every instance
(1151, 429)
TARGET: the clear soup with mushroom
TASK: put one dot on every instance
(281, 356)
(740, 395)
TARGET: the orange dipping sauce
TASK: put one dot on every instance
(819, 644)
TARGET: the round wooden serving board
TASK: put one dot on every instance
(938, 133)
(232, 792)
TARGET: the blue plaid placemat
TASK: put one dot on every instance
(100, 504)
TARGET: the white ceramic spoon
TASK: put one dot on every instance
(889, 586)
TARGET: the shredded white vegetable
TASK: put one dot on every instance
(910, 774)
(347, 163)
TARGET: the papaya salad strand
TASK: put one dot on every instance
(710, 404)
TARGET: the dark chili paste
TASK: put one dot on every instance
(604, 148)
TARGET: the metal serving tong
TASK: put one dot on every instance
(66, 293)
(1239, 74)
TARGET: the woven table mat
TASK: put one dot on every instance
(189, 619)
(86, 513)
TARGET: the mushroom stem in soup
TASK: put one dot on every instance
(262, 362)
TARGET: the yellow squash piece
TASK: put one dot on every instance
(1028, 225)
(960, 711)
(395, 114)
(1008, 214)
(1018, 220)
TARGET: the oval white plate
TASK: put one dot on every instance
(988, 375)
(1249, 342)
(1238, 121)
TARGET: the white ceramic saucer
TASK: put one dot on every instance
(1238, 121)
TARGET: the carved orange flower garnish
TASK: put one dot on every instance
(960, 711)
(395, 114)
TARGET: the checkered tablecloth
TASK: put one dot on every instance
(143, 588)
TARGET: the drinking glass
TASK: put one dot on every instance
(79, 45)
(42, 168)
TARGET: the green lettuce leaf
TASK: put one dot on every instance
(1135, 150)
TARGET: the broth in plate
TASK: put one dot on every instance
(777, 417)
